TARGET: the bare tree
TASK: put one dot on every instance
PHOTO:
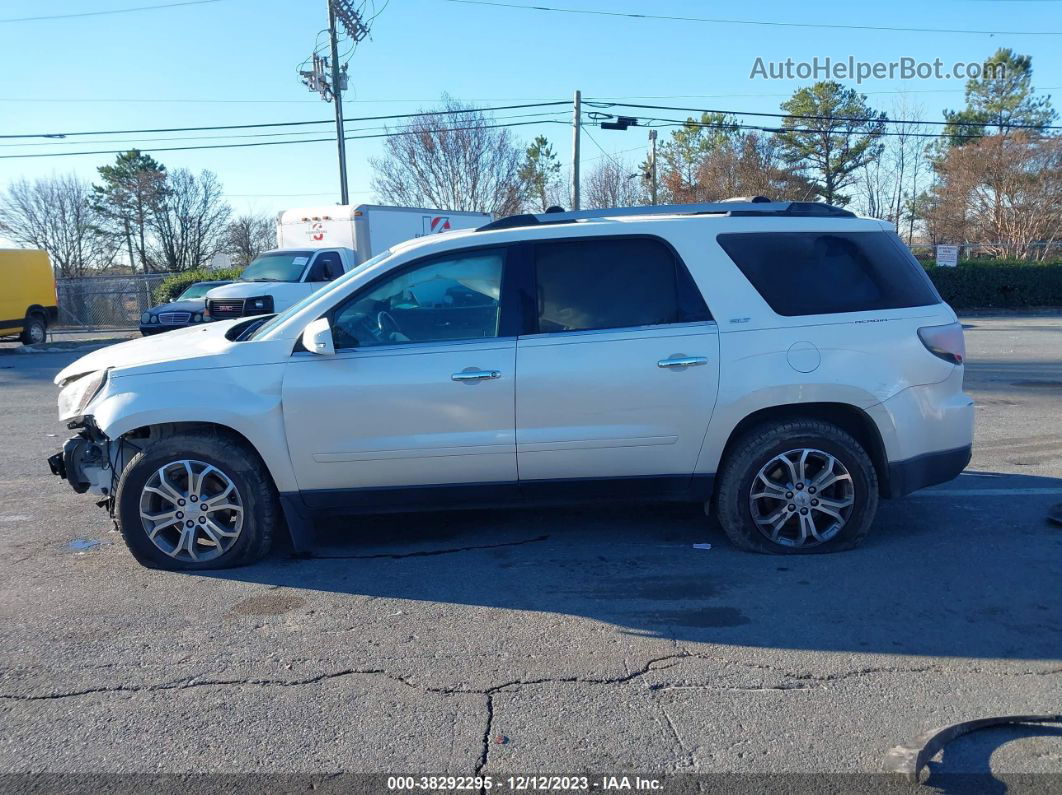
(190, 220)
(457, 160)
(908, 152)
(248, 236)
(887, 185)
(1004, 192)
(613, 183)
(750, 165)
(57, 214)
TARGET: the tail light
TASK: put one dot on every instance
(945, 342)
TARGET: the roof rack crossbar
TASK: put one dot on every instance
(734, 208)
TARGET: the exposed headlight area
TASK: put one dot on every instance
(145, 318)
(76, 393)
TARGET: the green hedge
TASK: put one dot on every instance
(982, 285)
(176, 284)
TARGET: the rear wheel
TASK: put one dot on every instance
(802, 486)
(35, 330)
(196, 501)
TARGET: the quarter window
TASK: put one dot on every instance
(612, 283)
(456, 298)
(814, 273)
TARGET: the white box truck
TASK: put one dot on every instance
(318, 244)
(367, 229)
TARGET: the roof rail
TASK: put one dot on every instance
(733, 207)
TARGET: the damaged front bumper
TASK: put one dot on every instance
(85, 462)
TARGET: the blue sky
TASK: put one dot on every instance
(237, 60)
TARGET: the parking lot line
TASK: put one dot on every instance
(986, 492)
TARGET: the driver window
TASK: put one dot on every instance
(449, 299)
(326, 267)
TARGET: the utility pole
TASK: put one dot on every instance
(337, 93)
(652, 165)
(328, 77)
(576, 125)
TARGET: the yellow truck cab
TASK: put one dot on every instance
(28, 303)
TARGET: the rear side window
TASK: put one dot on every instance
(816, 273)
(612, 283)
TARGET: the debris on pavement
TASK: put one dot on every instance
(908, 760)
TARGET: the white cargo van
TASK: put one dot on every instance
(319, 244)
(368, 229)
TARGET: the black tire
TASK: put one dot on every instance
(240, 464)
(35, 330)
(757, 448)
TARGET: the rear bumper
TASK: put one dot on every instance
(927, 469)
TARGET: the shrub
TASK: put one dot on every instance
(984, 285)
(173, 286)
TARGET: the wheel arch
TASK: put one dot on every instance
(851, 419)
(37, 309)
(294, 524)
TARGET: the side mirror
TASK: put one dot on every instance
(317, 338)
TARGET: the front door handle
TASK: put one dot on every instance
(475, 375)
(682, 361)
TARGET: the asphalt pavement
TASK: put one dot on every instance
(563, 641)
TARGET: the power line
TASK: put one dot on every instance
(146, 100)
(145, 143)
(803, 117)
(282, 143)
(593, 140)
(787, 94)
(286, 123)
(618, 152)
(824, 25)
(724, 125)
(112, 11)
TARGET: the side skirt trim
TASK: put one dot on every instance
(298, 506)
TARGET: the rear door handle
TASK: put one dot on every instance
(475, 375)
(683, 361)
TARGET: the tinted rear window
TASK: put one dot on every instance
(613, 283)
(815, 273)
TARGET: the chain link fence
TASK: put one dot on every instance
(1048, 251)
(105, 302)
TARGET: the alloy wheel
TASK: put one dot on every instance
(191, 511)
(802, 498)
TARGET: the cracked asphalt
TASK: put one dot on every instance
(547, 641)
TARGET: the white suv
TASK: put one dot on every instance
(783, 363)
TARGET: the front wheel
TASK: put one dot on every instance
(196, 501)
(801, 486)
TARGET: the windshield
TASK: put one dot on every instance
(197, 290)
(332, 286)
(277, 266)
